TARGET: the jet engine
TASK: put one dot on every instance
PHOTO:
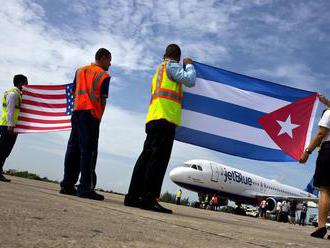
(271, 204)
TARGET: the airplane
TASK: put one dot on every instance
(203, 176)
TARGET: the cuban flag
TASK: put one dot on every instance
(246, 117)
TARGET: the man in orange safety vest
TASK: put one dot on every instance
(91, 85)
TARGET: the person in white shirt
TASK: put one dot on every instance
(278, 210)
(322, 170)
(263, 209)
(11, 103)
(284, 211)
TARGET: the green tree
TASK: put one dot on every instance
(171, 198)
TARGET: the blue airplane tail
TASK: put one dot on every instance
(311, 189)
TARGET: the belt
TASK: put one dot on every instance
(325, 145)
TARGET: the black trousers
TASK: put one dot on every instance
(302, 219)
(322, 169)
(7, 142)
(150, 168)
(81, 153)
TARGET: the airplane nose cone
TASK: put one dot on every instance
(175, 174)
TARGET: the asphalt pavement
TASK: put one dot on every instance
(34, 214)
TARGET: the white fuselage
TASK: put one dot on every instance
(210, 177)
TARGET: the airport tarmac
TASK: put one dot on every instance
(34, 214)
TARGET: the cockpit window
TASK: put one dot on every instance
(199, 168)
(194, 166)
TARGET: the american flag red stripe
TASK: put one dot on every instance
(45, 96)
(42, 104)
(45, 108)
(33, 129)
(43, 113)
(43, 121)
(47, 87)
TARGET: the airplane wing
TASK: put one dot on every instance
(297, 198)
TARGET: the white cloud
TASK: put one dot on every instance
(153, 25)
(31, 46)
(297, 75)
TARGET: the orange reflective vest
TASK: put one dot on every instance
(166, 97)
(88, 90)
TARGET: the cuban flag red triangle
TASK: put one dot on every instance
(290, 126)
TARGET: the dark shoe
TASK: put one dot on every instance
(154, 206)
(91, 195)
(319, 233)
(68, 191)
(328, 237)
(4, 179)
(132, 201)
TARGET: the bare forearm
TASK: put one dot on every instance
(316, 141)
(323, 100)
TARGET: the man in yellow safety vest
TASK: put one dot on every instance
(163, 117)
(178, 197)
(11, 103)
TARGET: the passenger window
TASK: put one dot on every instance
(199, 168)
(194, 166)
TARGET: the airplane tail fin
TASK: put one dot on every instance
(311, 189)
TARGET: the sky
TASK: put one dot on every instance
(286, 42)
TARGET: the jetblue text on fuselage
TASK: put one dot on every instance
(237, 177)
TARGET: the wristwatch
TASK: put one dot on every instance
(308, 151)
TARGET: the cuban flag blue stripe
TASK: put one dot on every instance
(231, 146)
(221, 109)
(249, 83)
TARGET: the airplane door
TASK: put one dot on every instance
(215, 173)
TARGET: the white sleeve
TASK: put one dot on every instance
(325, 120)
(11, 100)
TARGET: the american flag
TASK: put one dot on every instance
(45, 108)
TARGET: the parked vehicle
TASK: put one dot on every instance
(252, 211)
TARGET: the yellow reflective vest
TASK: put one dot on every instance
(166, 97)
(4, 120)
(178, 194)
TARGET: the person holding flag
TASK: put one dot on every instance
(163, 117)
(91, 90)
(11, 103)
(322, 170)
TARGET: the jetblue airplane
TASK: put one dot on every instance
(242, 187)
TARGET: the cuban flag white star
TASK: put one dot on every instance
(287, 127)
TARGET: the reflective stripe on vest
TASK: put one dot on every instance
(165, 93)
(17, 106)
(3, 121)
(88, 90)
(96, 83)
(94, 88)
(166, 97)
(81, 92)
